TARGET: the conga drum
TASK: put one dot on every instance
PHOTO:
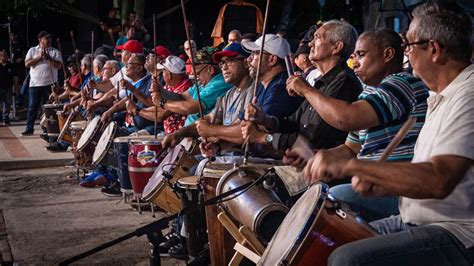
(190, 193)
(143, 159)
(88, 141)
(64, 120)
(315, 226)
(174, 166)
(221, 243)
(52, 124)
(76, 131)
(121, 153)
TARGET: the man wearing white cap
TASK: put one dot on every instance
(176, 81)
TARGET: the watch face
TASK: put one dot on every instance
(269, 138)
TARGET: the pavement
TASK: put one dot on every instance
(18, 152)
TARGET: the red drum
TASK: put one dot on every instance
(143, 159)
(314, 227)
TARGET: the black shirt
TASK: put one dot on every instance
(6, 76)
(340, 83)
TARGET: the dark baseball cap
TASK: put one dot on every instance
(43, 34)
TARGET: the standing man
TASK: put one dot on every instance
(8, 80)
(44, 62)
(436, 221)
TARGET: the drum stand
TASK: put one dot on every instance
(247, 243)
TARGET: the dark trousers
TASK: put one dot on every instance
(6, 102)
(37, 96)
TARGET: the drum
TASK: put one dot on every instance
(76, 131)
(121, 153)
(221, 243)
(189, 191)
(52, 125)
(258, 208)
(174, 166)
(314, 227)
(144, 157)
(88, 141)
(104, 153)
(64, 121)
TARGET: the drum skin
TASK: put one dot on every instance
(221, 243)
(313, 229)
(142, 162)
(88, 141)
(176, 164)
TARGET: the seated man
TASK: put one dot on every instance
(211, 86)
(223, 123)
(436, 222)
(176, 81)
(337, 81)
(377, 116)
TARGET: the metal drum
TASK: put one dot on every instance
(143, 160)
(174, 166)
(52, 125)
(88, 141)
(258, 208)
(315, 226)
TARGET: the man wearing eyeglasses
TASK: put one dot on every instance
(436, 189)
(221, 127)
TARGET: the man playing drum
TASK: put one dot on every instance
(436, 222)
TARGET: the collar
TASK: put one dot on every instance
(138, 82)
(331, 74)
(465, 74)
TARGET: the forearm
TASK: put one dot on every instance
(185, 107)
(104, 86)
(32, 62)
(188, 131)
(55, 64)
(143, 98)
(228, 133)
(149, 113)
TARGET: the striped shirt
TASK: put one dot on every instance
(396, 98)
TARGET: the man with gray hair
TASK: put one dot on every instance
(436, 189)
(331, 47)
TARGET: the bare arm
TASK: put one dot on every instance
(337, 113)
(149, 113)
(434, 179)
(188, 106)
(33, 61)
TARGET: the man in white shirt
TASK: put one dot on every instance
(436, 221)
(44, 62)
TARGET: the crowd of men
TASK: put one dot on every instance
(348, 115)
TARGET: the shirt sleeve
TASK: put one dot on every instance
(353, 137)
(30, 54)
(392, 100)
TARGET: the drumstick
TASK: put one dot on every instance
(73, 41)
(156, 74)
(257, 78)
(61, 55)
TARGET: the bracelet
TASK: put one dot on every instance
(137, 111)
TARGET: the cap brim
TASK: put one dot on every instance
(160, 66)
(120, 47)
(250, 46)
(217, 56)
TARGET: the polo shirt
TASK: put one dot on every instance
(397, 97)
(209, 93)
(449, 130)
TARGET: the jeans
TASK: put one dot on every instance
(403, 244)
(37, 96)
(369, 208)
(6, 101)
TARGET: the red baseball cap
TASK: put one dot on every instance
(162, 51)
(133, 46)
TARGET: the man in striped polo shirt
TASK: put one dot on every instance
(389, 98)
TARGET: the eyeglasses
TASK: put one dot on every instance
(228, 62)
(130, 64)
(199, 72)
(408, 46)
(106, 68)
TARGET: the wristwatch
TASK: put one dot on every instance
(162, 104)
(268, 138)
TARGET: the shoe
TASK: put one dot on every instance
(27, 133)
(45, 137)
(171, 240)
(97, 182)
(7, 123)
(202, 258)
(56, 147)
(71, 163)
(178, 252)
(112, 190)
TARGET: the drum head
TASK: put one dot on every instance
(296, 225)
(88, 133)
(216, 170)
(190, 182)
(104, 142)
(146, 139)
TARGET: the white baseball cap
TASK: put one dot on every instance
(173, 64)
(274, 45)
